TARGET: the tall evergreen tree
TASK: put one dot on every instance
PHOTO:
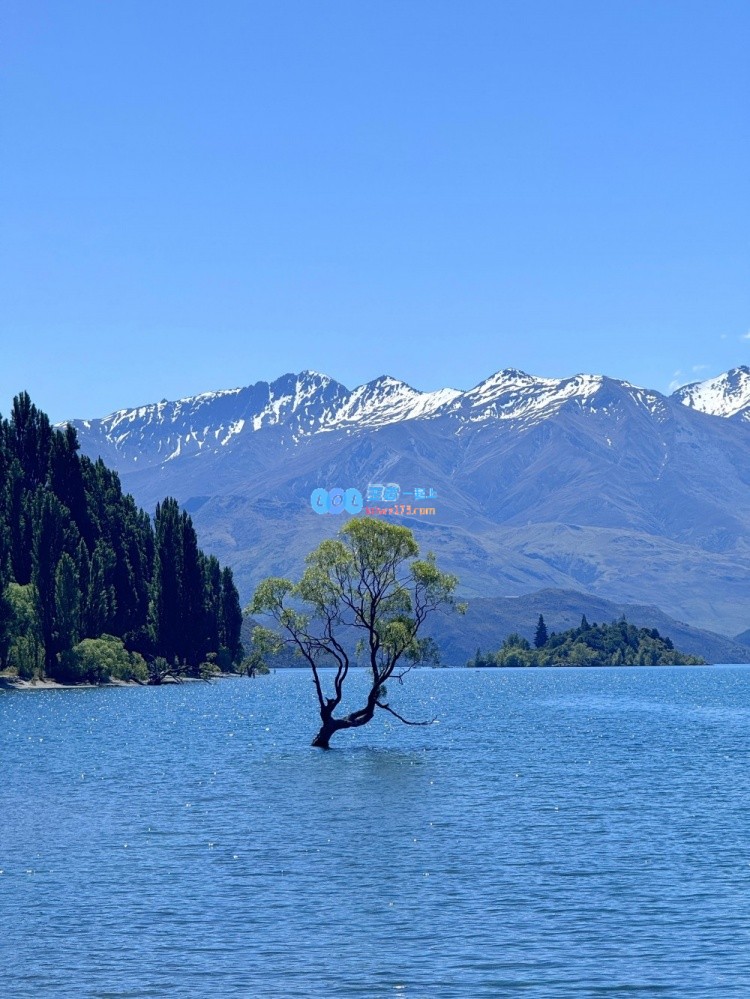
(30, 436)
(231, 615)
(213, 603)
(79, 550)
(20, 524)
(192, 611)
(6, 626)
(101, 600)
(166, 589)
(67, 604)
(540, 638)
(51, 532)
(66, 478)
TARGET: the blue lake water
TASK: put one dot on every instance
(558, 832)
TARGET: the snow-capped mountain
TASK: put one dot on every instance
(525, 400)
(586, 482)
(726, 395)
(299, 406)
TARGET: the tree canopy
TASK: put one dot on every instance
(615, 644)
(79, 561)
(363, 596)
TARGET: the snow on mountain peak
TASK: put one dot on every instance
(387, 400)
(514, 395)
(308, 403)
(726, 395)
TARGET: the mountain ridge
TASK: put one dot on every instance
(309, 402)
(726, 395)
(586, 483)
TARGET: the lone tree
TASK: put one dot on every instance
(368, 583)
(540, 638)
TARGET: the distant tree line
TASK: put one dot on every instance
(615, 644)
(89, 586)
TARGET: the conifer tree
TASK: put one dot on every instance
(51, 529)
(66, 478)
(231, 616)
(101, 602)
(540, 638)
(193, 645)
(213, 603)
(166, 588)
(19, 524)
(30, 437)
(80, 559)
(67, 604)
(6, 623)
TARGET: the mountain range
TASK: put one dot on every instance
(585, 483)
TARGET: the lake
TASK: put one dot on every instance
(557, 832)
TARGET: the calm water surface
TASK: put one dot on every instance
(558, 833)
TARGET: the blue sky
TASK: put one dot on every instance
(199, 195)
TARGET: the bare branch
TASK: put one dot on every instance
(389, 709)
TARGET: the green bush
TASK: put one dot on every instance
(96, 660)
(25, 650)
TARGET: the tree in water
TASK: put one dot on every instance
(369, 583)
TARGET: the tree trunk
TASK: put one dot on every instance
(329, 726)
(323, 738)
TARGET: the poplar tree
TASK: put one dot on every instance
(67, 605)
(231, 616)
(51, 521)
(540, 638)
(166, 586)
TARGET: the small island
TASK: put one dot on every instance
(615, 644)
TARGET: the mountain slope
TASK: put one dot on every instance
(727, 395)
(490, 620)
(300, 405)
(583, 483)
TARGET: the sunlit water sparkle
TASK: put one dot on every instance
(558, 832)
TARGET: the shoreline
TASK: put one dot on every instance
(9, 683)
(12, 683)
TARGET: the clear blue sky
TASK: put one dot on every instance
(197, 195)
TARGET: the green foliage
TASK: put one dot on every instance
(94, 564)
(7, 620)
(540, 636)
(616, 644)
(96, 660)
(367, 584)
(210, 667)
(230, 618)
(26, 649)
(225, 662)
(158, 670)
(251, 666)
(516, 641)
(67, 604)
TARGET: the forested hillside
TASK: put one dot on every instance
(79, 560)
